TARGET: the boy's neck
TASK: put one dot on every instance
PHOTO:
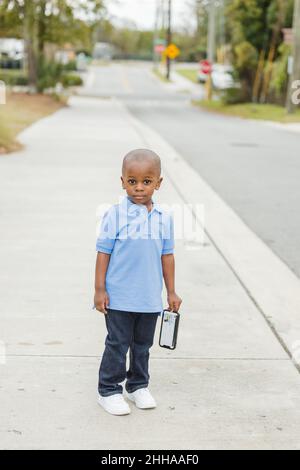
(149, 204)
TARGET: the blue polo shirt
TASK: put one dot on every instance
(136, 239)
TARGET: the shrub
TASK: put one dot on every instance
(70, 79)
(13, 78)
(279, 75)
(233, 96)
(245, 63)
(70, 66)
(49, 73)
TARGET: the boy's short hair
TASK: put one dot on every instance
(142, 155)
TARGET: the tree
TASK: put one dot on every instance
(254, 28)
(41, 21)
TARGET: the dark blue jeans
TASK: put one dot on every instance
(126, 330)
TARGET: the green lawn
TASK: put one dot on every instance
(20, 111)
(191, 74)
(268, 112)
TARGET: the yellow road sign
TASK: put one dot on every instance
(172, 51)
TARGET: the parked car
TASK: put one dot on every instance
(103, 51)
(221, 76)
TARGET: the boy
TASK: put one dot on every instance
(135, 250)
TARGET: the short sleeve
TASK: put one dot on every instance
(108, 231)
(168, 237)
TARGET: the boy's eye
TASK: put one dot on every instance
(132, 181)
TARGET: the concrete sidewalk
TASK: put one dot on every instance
(181, 84)
(229, 384)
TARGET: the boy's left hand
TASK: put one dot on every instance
(174, 302)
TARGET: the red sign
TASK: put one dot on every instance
(159, 48)
(206, 66)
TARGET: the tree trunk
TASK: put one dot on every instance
(30, 40)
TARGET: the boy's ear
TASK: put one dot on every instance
(159, 182)
(121, 177)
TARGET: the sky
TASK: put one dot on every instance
(142, 12)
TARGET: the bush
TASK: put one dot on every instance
(70, 79)
(70, 66)
(12, 79)
(245, 63)
(245, 57)
(49, 73)
(233, 96)
(279, 79)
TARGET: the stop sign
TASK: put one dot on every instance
(206, 66)
(159, 48)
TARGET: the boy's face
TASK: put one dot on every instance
(140, 180)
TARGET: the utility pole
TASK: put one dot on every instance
(211, 39)
(211, 34)
(295, 74)
(222, 30)
(169, 37)
(155, 34)
(163, 15)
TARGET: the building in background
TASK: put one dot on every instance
(11, 52)
(103, 50)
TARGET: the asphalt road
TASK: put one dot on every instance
(255, 168)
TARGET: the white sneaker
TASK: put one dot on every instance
(142, 398)
(114, 404)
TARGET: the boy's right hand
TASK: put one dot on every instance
(101, 301)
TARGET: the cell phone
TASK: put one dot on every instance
(169, 329)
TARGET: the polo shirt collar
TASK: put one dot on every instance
(131, 205)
